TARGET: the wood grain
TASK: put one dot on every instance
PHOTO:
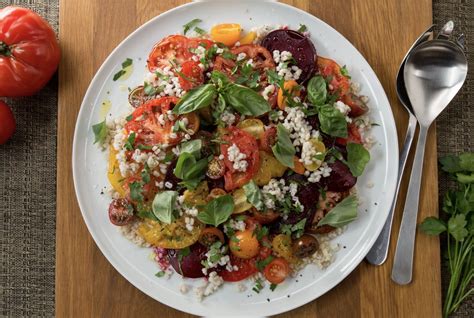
(88, 286)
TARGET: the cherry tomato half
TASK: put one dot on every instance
(353, 136)
(277, 270)
(244, 244)
(210, 235)
(120, 212)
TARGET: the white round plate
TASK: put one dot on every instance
(90, 164)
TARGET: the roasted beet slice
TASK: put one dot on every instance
(300, 46)
(308, 194)
(190, 265)
(340, 179)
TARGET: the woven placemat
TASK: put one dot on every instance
(28, 175)
(28, 197)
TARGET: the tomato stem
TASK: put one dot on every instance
(5, 49)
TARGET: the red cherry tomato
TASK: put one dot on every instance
(7, 123)
(330, 69)
(268, 139)
(29, 52)
(191, 75)
(358, 107)
(120, 212)
(353, 136)
(277, 270)
(148, 128)
(246, 268)
(247, 145)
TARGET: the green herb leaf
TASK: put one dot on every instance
(317, 91)
(127, 62)
(136, 191)
(118, 75)
(466, 161)
(190, 24)
(199, 31)
(465, 178)
(357, 158)
(146, 174)
(433, 226)
(345, 72)
(130, 141)
(245, 100)
(164, 205)
(192, 147)
(284, 150)
(129, 117)
(332, 121)
(450, 164)
(189, 170)
(100, 132)
(263, 263)
(217, 211)
(302, 28)
(160, 274)
(273, 286)
(457, 227)
(196, 98)
(254, 195)
(343, 213)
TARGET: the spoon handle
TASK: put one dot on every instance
(379, 251)
(403, 262)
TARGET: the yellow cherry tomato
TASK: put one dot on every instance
(269, 168)
(255, 127)
(248, 38)
(227, 33)
(244, 244)
(291, 87)
(240, 201)
(113, 173)
(320, 149)
(282, 246)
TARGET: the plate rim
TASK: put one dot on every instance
(109, 255)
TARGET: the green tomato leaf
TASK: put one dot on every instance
(343, 213)
(217, 211)
(254, 195)
(457, 227)
(245, 100)
(332, 121)
(433, 226)
(284, 150)
(317, 91)
(163, 206)
(357, 158)
(196, 98)
(100, 132)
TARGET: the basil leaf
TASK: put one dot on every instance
(189, 170)
(219, 79)
(343, 213)
(254, 195)
(217, 211)
(190, 24)
(357, 158)
(317, 91)
(332, 121)
(284, 150)
(100, 132)
(185, 161)
(164, 205)
(196, 98)
(197, 170)
(245, 100)
(193, 147)
(433, 226)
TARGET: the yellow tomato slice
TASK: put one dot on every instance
(255, 127)
(197, 196)
(270, 168)
(113, 173)
(281, 246)
(174, 235)
(320, 149)
(248, 38)
(227, 33)
(240, 201)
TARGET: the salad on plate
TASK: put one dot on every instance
(238, 155)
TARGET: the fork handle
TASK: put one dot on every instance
(403, 263)
(379, 251)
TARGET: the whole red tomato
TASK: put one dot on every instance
(7, 123)
(29, 52)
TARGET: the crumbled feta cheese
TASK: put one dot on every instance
(184, 289)
(241, 56)
(283, 59)
(213, 283)
(300, 130)
(168, 185)
(268, 90)
(237, 158)
(323, 171)
(228, 117)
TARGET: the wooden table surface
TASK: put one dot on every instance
(88, 286)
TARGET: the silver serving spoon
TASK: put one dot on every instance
(434, 73)
(379, 251)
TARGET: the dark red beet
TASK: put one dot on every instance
(308, 194)
(300, 46)
(341, 178)
(170, 177)
(191, 264)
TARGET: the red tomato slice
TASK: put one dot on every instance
(191, 75)
(248, 145)
(148, 129)
(277, 270)
(358, 107)
(246, 268)
(330, 69)
(353, 136)
(268, 139)
(148, 190)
